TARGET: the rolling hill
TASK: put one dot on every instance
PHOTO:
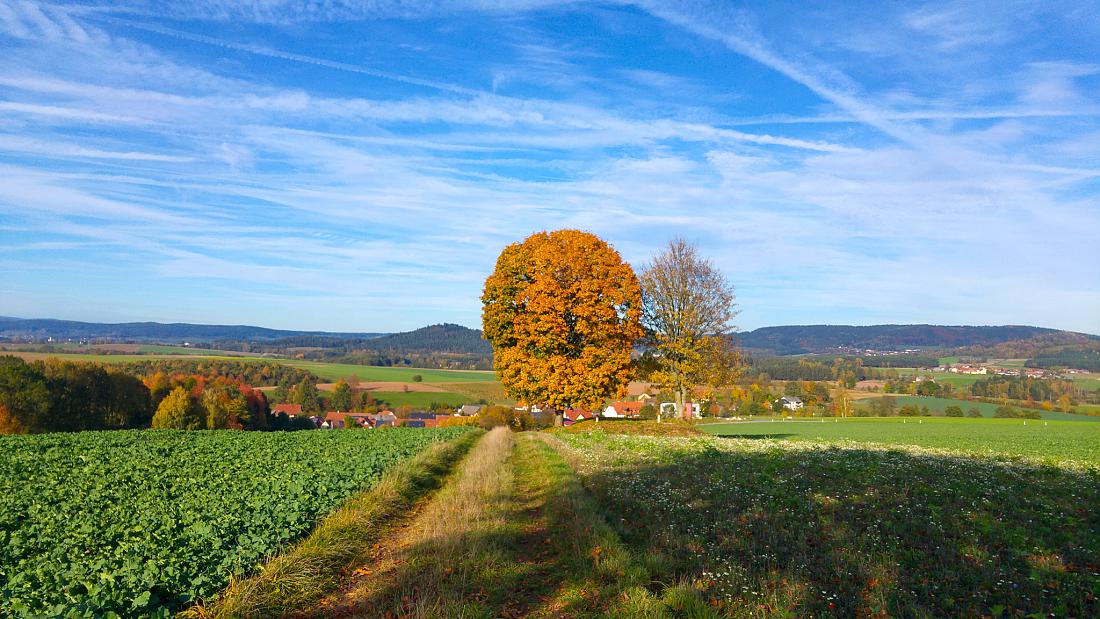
(801, 339)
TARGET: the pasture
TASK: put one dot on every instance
(1049, 442)
(142, 522)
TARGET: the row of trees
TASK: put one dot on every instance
(258, 373)
(67, 396)
(57, 396)
(219, 405)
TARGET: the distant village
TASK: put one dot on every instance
(632, 409)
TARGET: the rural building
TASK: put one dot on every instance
(467, 410)
(962, 368)
(791, 403)
(571, 416)
(623, 410)
(289, 409)
(334, 420)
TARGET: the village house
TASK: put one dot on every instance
(792, 403)
(623, 410)
(962, 368)
(468, 410)
(571, 416)
(290, 409)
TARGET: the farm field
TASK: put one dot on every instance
(488, 391)
(422, 399)
(985, 408)
(140, 523)
(1052, 442)
(767, 528)
(336, 371)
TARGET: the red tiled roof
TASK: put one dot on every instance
(627, 409)
(334, 416)
(577, 414)
(289, 409)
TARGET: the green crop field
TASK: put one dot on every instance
(140, 523)
(985, 408)
(772, 528)
(335, 371)
(1052, 442)
(422, 399)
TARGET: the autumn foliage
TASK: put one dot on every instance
(562, 311)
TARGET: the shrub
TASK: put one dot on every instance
(974, 412)
(493, 416)
(648, 411)
(909, 410)
(454, 422)
(1005, 412)
(953, 411)
(416, 378)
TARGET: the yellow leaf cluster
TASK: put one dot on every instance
(562, 311)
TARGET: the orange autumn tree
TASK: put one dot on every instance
(562, 311)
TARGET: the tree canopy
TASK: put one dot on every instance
(688, 307)
(562, 311)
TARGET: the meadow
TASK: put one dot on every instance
(937, 405)
(142, 522)
(1050, 442)
(779, 528)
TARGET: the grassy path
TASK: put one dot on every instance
(512, 534)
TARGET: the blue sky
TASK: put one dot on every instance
(358, 166)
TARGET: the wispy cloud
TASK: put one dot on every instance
(237, 163)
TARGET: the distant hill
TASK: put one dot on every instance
(446, 337)
(801, 339)
(41, 328)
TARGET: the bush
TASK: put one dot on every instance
(416, 378)
(909, 410)
(1005, 412)
(953, 411)
(648, 411)
(453, 422)
(493, 416)
(973, 412)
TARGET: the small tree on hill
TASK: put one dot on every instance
(974, 413)
(341, 398)
(305, 394)
(953, 411)
(178, 411)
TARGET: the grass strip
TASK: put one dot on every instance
(298, 578)
(602, 576)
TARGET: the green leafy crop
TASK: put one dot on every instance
(142, 522)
